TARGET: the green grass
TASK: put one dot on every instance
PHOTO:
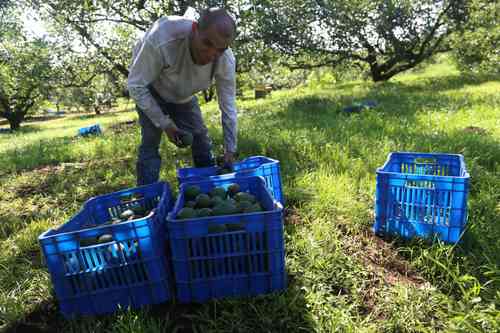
(341, 277)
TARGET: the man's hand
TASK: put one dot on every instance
(178, 137)
(229, 158)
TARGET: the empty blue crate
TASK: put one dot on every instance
(98, 263)
(423, 195)
(228, 255)
(265, 167)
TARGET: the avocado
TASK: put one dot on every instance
(218, 192)
(256, 207)
(233, 189)
(139, 210)
(185, 140)
(215, 229)
(204, 212)
(126, 214)
(191, 192)
(235, 226)
(203, 201)
(243, 206)
(106, 238)
(215, 201)
(88, 241)
(225, 208)
(244, 196)
(190, 204)
(186, 213)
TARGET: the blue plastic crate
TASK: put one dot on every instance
(422, 194)
(90, 130)
(246, 259)
(265, 167)
(129, 270)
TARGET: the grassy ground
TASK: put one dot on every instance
(341, 277)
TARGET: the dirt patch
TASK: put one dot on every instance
(123, 126)
(475, 130)
(44, 175)
(292, 217)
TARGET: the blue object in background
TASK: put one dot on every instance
(90, 130)
(360, 106)
(422, 195)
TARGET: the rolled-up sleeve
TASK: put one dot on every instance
(146, 67)
(225, 80)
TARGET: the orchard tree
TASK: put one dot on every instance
(387, 36)
(476, 48)
(25, 70)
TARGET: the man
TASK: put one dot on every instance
(177, 58)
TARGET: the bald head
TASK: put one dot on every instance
(219, 17)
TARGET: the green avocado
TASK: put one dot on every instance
(215, 229)
(203, 201)
(204, 212)
(235, 226)
(256, 207)
(233, 189)
(186, 213)
(225, 208)
(185, 140)
(88, 241)
(191, 192)
(215, 201)
(190, 204)
(244, 196)
(218, 192)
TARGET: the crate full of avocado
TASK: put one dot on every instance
(251, 166)
(112, 253)
(226, 239)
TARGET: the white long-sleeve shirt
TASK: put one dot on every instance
(162, 59)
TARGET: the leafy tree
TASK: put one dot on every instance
(476, 47)
(389, 36)
(25, 70)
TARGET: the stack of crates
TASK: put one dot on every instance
(128, 270)
(422, 194)
(265, 167)
(230, 255)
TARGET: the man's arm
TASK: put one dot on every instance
(225, 80)
(146, 66)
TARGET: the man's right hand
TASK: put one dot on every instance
(173, 134)
(178, 137)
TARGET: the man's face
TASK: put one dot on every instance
(208, 45)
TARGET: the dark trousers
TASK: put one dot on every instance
(186, 117)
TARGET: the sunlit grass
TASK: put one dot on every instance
(340, 277)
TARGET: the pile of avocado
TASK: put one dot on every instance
(217, 202)
(129, 214)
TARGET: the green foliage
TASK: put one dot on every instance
(341, 277)
(25, 77)
(388, 36)
(476, 48)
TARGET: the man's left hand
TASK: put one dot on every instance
(229, 158)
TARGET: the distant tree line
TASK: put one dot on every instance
(85, 57)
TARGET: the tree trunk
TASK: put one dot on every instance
(15, 120)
